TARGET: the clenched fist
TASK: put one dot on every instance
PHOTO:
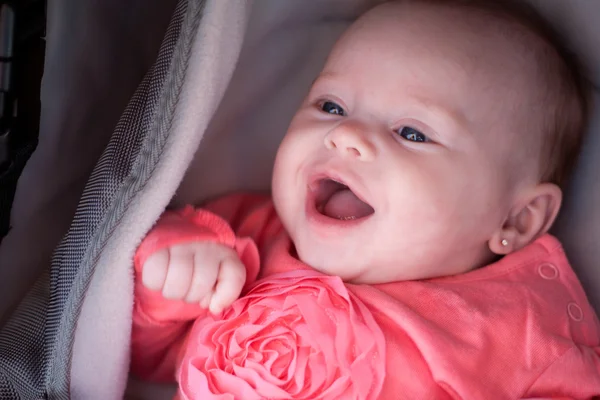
(200, 272)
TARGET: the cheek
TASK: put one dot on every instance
(288, 157)
(285, 184)
(279, 182)
(442, 198)
(299, 146)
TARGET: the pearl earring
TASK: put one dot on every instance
(504, 242)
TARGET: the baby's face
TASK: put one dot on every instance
(421, 120)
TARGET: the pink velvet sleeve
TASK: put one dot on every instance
(160, 325)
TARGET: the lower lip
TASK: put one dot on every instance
(326, 224)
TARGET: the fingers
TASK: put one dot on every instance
(154, 271)
(208, 274)
(179, 274)
(230, 282)
(205, 270)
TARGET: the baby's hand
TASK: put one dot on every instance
(201, 272)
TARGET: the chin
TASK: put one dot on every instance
(328, 262)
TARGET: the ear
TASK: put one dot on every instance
(531, 217)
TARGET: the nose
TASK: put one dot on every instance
(351, 140)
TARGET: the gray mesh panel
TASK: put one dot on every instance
(35, 345)
(21, 347)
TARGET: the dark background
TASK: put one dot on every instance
(19, 128)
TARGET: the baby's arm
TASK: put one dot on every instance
(185, 250)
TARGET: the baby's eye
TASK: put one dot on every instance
(412, 135)
(332, 108)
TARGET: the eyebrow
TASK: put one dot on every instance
(326, 76)
(447, 113)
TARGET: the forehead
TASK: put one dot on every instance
(399, 35)
(456, 57)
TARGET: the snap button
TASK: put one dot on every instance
(548, 271)
(575, 312)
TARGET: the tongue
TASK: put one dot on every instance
(345, 205)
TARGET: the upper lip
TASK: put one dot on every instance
(336, 175)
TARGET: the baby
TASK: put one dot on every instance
(404, 253)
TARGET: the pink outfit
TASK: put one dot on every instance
(518, 328)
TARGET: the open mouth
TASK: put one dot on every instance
(336, 200)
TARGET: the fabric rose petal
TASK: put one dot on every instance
(298, 335)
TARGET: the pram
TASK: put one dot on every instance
(207, 88)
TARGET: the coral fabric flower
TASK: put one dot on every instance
(299, 335)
